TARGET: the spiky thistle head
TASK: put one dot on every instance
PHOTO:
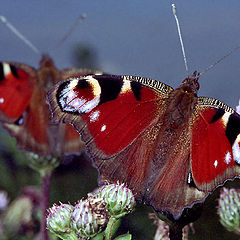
(229, 209)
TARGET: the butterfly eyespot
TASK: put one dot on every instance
(82, 84)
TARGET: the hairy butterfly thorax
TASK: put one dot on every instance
(48, 73)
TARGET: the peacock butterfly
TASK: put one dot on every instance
(169, 146)
(24, 110)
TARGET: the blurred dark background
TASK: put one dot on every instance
(126, 37)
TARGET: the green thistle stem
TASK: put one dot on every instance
(112, 227)
(45, 203)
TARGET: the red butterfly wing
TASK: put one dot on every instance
(25, 112)
(17, 83)
(115, 111)
(69, 139)
(141, 132)
(215, 151)
(32, 129)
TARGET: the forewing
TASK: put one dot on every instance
(109, 111)
(17, 82)
(113, 113)
(70, 139)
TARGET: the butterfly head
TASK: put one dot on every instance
(48, 72)
(191, 82)
(46, 61)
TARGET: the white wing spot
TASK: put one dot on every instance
(215, 163)
(20, 121)
(228, 158)
(126, 86)
(67, 96)
(89, 105)
(1, 100)
(95, 85)
(236, 150)
(103, 128)
(6, 68)
(73, 83)
(225, 118)
(189, 178)
(94, 116)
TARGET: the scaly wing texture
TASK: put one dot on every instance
(215, 151)
(114, 115)
(17, 83)
(25, 112)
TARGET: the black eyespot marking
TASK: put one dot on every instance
(233, 127)
(136, 88)
(110, 87)
(82, 84)
(190, 181)
(219, 113)
(14, 71)
(1, 72)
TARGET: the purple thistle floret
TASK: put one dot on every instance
(89, 217)
(229, 209)
(3, 200)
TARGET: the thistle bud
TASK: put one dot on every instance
(58, 219)
(119, 199)
(89, 217)
(229, 209)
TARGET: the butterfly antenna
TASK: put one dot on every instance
(180, 37)
(220, 59)
(15, 31)
(69, 32)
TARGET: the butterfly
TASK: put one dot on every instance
(169, 146)
(24, 110)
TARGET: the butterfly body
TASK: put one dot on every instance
(24, 110)
(169, 146)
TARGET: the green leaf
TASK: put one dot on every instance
(99, 236)
(124, 237)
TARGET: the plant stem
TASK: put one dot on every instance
(45, 204)
(112, 227)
